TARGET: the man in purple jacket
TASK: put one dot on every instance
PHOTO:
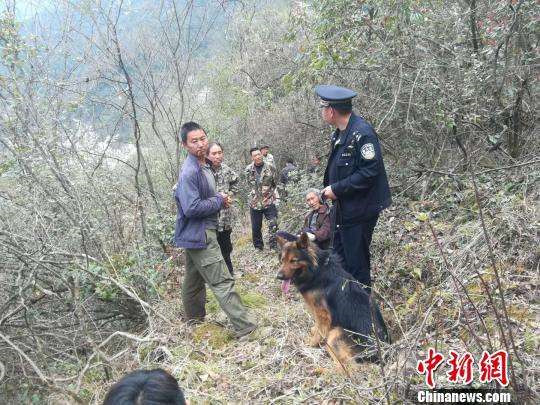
(198, 205)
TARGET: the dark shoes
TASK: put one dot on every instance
(195, 321)
(244, 332)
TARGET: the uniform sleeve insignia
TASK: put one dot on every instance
(368, 151)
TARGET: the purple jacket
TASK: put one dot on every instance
(194, 203)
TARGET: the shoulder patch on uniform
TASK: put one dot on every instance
(368, 151)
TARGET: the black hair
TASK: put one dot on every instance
(187, 128)
(254, 149)
(214, 143)
(290, 160)
(342, 108)
(146, 387)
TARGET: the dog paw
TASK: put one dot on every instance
(347, 369)
(314, 342)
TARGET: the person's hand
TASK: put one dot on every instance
(227, 201)
(328, 193)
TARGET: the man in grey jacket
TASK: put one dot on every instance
(198, 205)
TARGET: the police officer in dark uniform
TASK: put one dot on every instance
(355, 179)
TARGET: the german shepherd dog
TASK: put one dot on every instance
(345, 316)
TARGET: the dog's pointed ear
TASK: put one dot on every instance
(283, 237)
(303, 242)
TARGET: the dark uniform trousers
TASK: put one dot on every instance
(224, 241)
(270, 213)
(351, 242)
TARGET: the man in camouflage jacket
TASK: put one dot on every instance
(262, 180)
(227, 183)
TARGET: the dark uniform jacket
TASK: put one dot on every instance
(356, 173)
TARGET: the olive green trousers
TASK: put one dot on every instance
(207, 266)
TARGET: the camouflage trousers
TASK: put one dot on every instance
(207, 266)
(270, 213)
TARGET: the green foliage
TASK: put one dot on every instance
(212, 304)
(76, 193)
(10, 42)
(531, 342)
(26, 394)
(6, 166)
(130, 271)
(386, 50)
(294, 208)
(214, 335)
(252, 299)
(161, 228)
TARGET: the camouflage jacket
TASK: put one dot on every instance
(226, 182)
(262, 187)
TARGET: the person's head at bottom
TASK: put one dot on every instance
(146, 387)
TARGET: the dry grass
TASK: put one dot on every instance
(271, 365)
(422, 304)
